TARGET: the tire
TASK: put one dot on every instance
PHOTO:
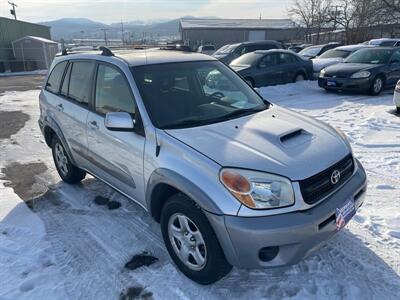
(376, 87)
(299, 77)
(67, 171)
(398, 109)
(250, 81)
(201, 237)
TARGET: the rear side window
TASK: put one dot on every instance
(54, 81)
(286, 58)
(113, 94)
(79, 82)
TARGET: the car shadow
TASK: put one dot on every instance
(92, 244)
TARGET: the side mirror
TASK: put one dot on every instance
(119, 121)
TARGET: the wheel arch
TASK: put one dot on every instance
(163, 183)
(51, 129)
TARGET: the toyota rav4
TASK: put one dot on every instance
(233, 179)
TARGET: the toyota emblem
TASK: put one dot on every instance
(335, 177)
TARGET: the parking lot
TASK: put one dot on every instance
(67, 247)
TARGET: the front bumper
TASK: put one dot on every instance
(345, 84)
(296, 234)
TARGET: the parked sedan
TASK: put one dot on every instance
(369, 70)
(314, 51)
(385, 42)
(267, 67)
(334, 56)
(231, 52)
(396, 97)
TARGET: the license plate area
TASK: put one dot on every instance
(345, 213)
(331, 83)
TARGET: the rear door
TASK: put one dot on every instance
(267, 71)
(116, 156)
(394, 69)
(74, 109)
(289, 66)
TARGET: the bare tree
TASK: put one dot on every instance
(392, 5)
(312, 15)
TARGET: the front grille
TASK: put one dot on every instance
(319, 186)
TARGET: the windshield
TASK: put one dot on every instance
(228, 49)
(208, 48)
(311, 51)
(382, 43)
(190, 94)
(247, 59)
(335, 53)
(370, 56)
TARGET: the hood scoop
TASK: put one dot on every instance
(295, 138)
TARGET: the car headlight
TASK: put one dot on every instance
(322, 73)
(258, 190)
(361, 74)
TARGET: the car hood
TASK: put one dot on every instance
(347, 69)
(320, 63)
(276, 140)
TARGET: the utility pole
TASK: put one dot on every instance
(105, 35)
(122, 32)
(13, 11)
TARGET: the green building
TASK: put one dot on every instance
(11, 30)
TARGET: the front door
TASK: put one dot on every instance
(268, 71)
(116, 156)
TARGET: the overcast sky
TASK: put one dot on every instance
(108, 11)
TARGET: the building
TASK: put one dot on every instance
(35, 49)
(228, 31)
(11, 30)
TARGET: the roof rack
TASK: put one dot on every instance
(106, 51)
(177, 47)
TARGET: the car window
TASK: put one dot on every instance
(113, 93)
(335, 53)
(311, 51)
(285, 58)
(65, 85)
(54, 81)
(268, 61)
(79, 83)
(194, 93)
(208, 48)
(395, 58)
(387, 44)
(370, 56)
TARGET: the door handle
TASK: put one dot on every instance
(60, 107)
(93, 125)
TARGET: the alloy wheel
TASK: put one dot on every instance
(187, 241)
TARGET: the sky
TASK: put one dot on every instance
(108, 11)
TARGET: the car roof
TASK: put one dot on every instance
(353, 47)
(260, 42)
(142, 57)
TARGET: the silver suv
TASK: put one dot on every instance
(233, 179)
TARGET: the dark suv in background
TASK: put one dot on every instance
(227, 54)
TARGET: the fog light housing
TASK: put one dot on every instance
(268, 253)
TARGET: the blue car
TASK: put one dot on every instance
(269, 67)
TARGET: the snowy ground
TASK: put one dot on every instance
(70, 248)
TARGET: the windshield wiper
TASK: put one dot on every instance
(193, 122)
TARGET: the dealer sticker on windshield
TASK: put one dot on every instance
(345, 213)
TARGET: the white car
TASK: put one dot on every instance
(206, 49)
(396, 97)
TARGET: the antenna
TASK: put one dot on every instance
(106, 51)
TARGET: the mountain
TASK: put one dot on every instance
(73, 28)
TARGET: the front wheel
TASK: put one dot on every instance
(67, 171)
(299, 77)
(398, 109)
(377, 86)
(191, 241)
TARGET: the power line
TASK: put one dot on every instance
(13, 11)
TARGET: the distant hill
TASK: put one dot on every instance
(71, 28)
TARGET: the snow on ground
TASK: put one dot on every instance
(24, 73)
(70, 248)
